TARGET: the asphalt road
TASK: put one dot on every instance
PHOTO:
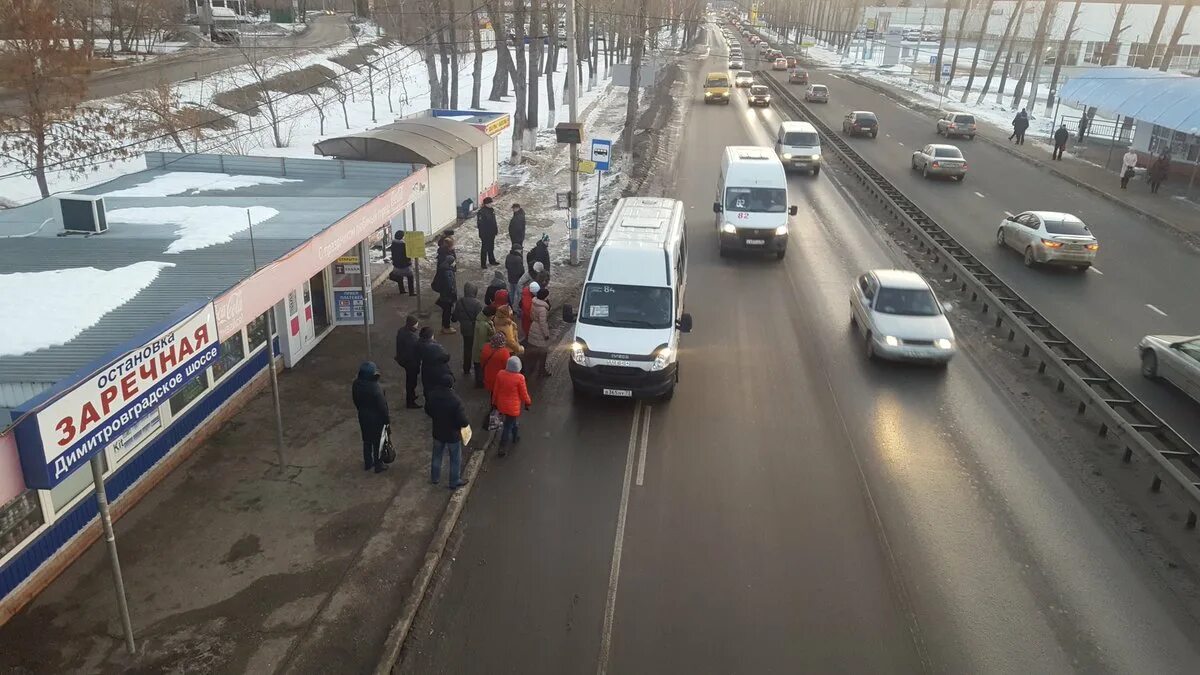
(795, 508)
(1144, 280)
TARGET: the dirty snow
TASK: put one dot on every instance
(190, 182)
(69, 302)
(198, 226)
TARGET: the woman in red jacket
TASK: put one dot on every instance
(492, 358)
(527, 296)
(509, 393)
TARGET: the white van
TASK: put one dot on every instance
(799, 146)
(752, 201)
(631, 309)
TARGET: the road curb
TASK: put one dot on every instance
(923, 107)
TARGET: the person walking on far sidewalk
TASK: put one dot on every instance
(1060, 141)
(493, 359)
(1159, 170)
(515, 266)
(509, 394)
(445, 282)
(373, 414)
(407, 355)
(516, 227)
(402, 268)
(538, 341)
(484, 329)
(1020, 123)
(1128, 161)
(499, 283)
(466, 310)
(485, 222)
(449, 417)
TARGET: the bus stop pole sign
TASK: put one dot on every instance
(601, 152)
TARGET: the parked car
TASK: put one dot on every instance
(759, 95)
(743, 78)
(780, 64)
(860, 123)
(957, 124)
(1049, 237)
(1174, 358)
(817, 93)
(798, 76)
(900, 318)
(940, 160)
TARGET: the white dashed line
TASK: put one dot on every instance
(614, 573)
(641, 470)
(899, 144)
(1155, 309)
(980, 195)
(1097, 271)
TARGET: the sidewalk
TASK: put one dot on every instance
(1083, 165)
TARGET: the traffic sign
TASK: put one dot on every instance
(601, 153)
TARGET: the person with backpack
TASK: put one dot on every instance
(466, 310)
(407, 339)
(402, 268)
(506, 325)
(509, 394)
(373, 415)
(449, 417)
(540, 253)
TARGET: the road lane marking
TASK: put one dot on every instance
(641, 471)
(614, 572)
(1155, 309)
(1096, 270)
(900, 144)
(980, 195)
(887, 135)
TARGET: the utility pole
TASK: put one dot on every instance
(270, 354)
(111, 540)
(573, 112)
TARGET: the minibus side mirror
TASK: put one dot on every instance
(568, 314)
(716, 207)
(792, 210)
(685, 323)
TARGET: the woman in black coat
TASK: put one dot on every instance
(373, 413)
(445, 282)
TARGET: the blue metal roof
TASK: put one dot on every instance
(1166, 99)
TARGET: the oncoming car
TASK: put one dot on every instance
(759, 95)
(1174, 358)
(1049, 237)
(936, 159)
(743, 78)
(900, 318)
(716, 88)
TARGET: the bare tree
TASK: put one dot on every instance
(551, 65)
(364, 53)
(1173, 45)
(1061, 58)
(537, 34)
(262, 70)
(962, 21)
(504, 64)
(452, 23)
(519, 81)
(158, 111)
(1019, 15)
(1146, 60)
(635, 78)
(987, 12)
(477, 64)
(1035, 53)
(937, 68)
(1109, 56)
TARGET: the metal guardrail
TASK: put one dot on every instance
(1173, 456)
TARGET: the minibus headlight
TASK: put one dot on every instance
(577, 353)
(816, 157)
(782, 229)
(787, 155)
(661, 358)
(728, 228)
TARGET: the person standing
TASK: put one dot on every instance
(483, 332)
(498, 284)
(527, 295)
(449, 417)
(402, 268)
(373, 414)
(1159, 170)
(538, 342)
(485, 222)
(408, 356)
(506, 325)
(1083, 126)
(445, 282)
(435, 360)
(1020, 124)
(493, 358)
(516, 226)
(509, 393)
(515, 267)
(1060, 141)
(540, 253)
(466, 310)
(1128, 162)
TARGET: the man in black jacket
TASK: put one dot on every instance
(540, 253)
(373, 414)
(466, 310)
(1060, 141)
(485, 222)
(515, 267)
(408, 359)
(516, 227)
(449, 417)
(402, 265)
(435, 361)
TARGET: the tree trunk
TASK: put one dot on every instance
(451, 20)
(987, 12)
(1016, 30)
(1061, 58)
(39, 164)
(1109, 57)
(551, 65)
(937, 66)
(635, 80)
(504, 63)
(518, 79)
(477, 67)
(962, 21)
(1148, 49)
(435, 86)
(1173, 45)
(1035, 53)
(532, 107)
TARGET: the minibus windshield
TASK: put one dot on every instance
(626, 306)
(756, 199)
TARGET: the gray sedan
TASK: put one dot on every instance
(1175, 359)
(1049, 237)
(937, 159)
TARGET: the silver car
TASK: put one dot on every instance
(936, 159)
(900, 318)
(1049, 237)
(1174, 358)
(736, 63)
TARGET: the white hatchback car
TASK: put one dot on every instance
(900, 318)
(1049, 237)
(1174, 358)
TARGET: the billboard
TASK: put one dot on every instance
(60, 435)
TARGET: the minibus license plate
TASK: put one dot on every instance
(624, 393)
(755, 242)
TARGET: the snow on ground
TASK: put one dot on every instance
(185, 182)
(197, 226)
(70, 301)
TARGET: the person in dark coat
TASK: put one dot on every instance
(515, 267)
(402, 268)
(540, 253)
(449, 417)
(373, 414)
(1159, 170)
(435, 360)
(445, 282)
(516, 227)
(1083, 126)
(485, 222)
(1020, 123)
(466, 310)
(1060, 141)
(498, 284)
(409, 359)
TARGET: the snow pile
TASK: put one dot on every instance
(198, 226)
(69, 302)
(191, 182)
